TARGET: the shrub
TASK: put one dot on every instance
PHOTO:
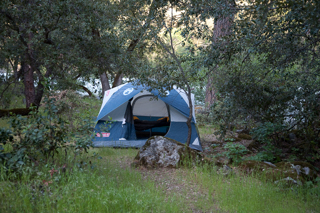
(40, 136)
(234, 151)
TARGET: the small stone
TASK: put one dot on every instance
(271, 164)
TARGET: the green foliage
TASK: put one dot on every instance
(5, 135)
(267, 135)
(57, 39)
(269, 71)
(11, 95)
(234, 151)
(40, 135)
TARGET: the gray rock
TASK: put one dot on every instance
(306, 170)
(297, 168)
(164, 152)
(269, 163)
(288, 181)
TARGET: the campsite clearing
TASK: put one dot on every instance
(111, 185)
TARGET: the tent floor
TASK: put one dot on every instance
(122, 143)
(146, 135)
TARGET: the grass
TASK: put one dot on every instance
(106, 188)
(4, 123)
(238, 193)
(109, 187)
(206, 129)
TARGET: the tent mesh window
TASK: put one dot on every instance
(151, 116)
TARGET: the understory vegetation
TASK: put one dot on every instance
(253, 67)
(94, 181)
(39, 174)
(99, 181)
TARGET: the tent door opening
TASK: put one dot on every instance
(151, 116)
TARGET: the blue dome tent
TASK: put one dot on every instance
(138, 114)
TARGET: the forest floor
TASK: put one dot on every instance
(177, 182)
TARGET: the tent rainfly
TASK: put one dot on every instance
(138, 114)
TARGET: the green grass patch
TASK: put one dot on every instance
(238, 193)
(206, 129)
(4, 123)
(105, 188)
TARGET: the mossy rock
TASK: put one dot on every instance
(244, 136)
(252, 166)
(271, 173)
(276, 174)
(304, 169)
(232, 139)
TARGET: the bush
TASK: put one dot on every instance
(40, 136)
(234, 151)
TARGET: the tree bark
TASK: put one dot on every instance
(103, 76)
(86, 89)
(18, 111)
(117, 80)
(222, 28)
(104, 82)
(28, 84)
(210, 93)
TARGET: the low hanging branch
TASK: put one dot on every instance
(17, 111)
(172, 53)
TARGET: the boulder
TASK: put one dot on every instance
(160, 151)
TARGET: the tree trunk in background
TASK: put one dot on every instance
(103, 76)
(222, 28)
(210, 93)
(29, 89)
(117, 80)
(104, 82)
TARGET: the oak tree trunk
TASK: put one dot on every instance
(29, 88)
(222, 28)
(117, 80)
(104, 82)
